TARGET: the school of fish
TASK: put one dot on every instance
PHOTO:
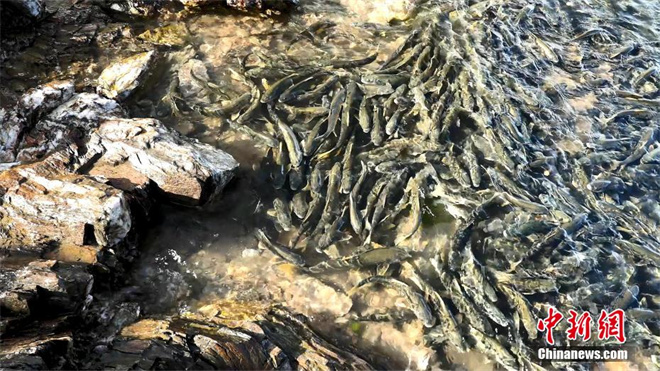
(482, 112)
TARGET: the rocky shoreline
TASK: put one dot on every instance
(79, 180)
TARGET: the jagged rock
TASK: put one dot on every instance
(69, 122)
(42, 288)
(45, 98)
(244, 4)
(141, 8)
(33, 9)
(43, 203)
(186, 170)
(44, 347)
(121, 78)
(267, 338)
(31, 106)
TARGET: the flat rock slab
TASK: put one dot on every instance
(43, 203)
(186, 170)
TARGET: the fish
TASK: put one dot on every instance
(393, 122)
(346, 127)
(470, 161)
(518, 302)
(651, 157)
(527, 284)
(282, 167)
(394, 80)
(414, 199)
(493, 349)
(417, 303)
(364, 119)
(410, 55)
(448, 329)
(334, 181)
(352, 63)
(283, 213)
(640, 113)
(374, 90)
(335, 110)
(394, 99)
(331, 232)
(315, 93)
(280, 86)
(356, 217)
(347, 165)
(647, 138)
(372, 197)
(644, 76)
(255, 103)
(462, 302)
(400, 49)
(228, 106)
(365, 259)
(381, 203)
(299, 205)
(472, 275)
(458, 173)
(258, 136)
(291, 141)
(313, 139)
(316, 181)
(295, 90)
(279, 250)
(377, 134)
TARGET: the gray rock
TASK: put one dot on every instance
(33, 9)
(45, 98)
(121, 78)
(186, 170)
(69, 122)
(14, 123)
(43, 203)
(29, 289)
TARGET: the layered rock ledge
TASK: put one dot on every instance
(77, 178)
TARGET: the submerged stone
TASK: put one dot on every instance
(120, 79)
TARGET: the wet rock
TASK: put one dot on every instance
(33, 9)
(186, 170)
(31, 106)
(45, 98)
(268, 339)
(141, 8)
(244, 4)
(42, 347)
(171, 35)
(191, 75)
(380, 11)
(70, 122)
(43, 203)
(121, 78)
(42, 288)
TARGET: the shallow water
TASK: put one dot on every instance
(213, 251)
